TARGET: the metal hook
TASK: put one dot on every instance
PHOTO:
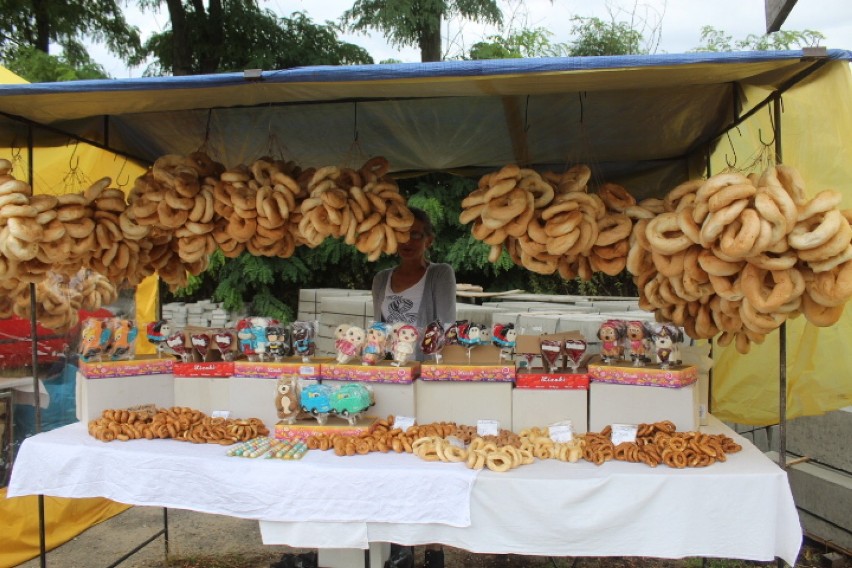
(527, 115)
(772, 125)
(71, 161)
(580, 98)
(120, 171)
(734, 150)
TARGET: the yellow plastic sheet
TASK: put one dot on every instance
(819, 360)
(64, 519)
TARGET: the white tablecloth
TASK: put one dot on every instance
(742, 508)
(388, 488)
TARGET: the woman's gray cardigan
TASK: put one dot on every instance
(439, 290)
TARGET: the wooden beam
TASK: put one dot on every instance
(776, 13)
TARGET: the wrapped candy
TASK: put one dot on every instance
(574, 350)
(176, 345)
(433, 340)
(503, 336)
(201, 343)
(551, 353)
(470, 335)
(376, 345)
(224, 339)
(667, 337)
(451, 336)
(122, 340)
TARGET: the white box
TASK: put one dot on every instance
(396, 399)
(542, 407)
(203, 393)
(96, 395)
(631, 404)
(464, 402)
(253, 398)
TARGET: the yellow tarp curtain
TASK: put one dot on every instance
(64, 519)
(819, 361)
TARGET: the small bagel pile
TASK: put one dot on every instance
(550, 223)
(543, 447)
(739, 255)
(58, 298)
(177, 422)
(478, 454)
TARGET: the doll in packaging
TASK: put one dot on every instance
(405, 340)
(350, 344)
(376, 345)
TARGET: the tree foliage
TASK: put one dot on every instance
(528, 42)
(713, 39)
(417, 22)
(236, 35)
(594, 36)
(30, 29)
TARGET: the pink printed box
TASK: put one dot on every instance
(651, 376)
(275, 370)
(404, 374)
(467, 373)
(131, 368)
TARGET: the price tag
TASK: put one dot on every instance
(308, 371)
(488, 427)
(220, 414)
(561, 432)
(403, 422)
(623, 433)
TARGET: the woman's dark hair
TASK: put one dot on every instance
(423, 217)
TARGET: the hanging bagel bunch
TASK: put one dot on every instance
(550, 223)
(738, 255)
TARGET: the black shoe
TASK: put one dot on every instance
(400, 557)
(304, 560)
(434, 559)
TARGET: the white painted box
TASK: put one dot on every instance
(542, 407)
(464, 402)
(203, 393)
(96, 395)
(631, 404)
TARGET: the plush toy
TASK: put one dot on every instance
(611, 334)
(376, 345)
(278, 345)
(287, 399)
(405, 338)
(303, 339)
(350, 344)
(667, 337)
(637, 335)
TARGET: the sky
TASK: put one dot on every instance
(678, 23)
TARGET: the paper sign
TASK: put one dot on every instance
(488, 427)
(455, 441)
(403, 422)
(220, 414)
(623, 433)
(561, 432)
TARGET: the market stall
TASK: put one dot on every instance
(647, 123)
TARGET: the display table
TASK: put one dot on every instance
(742, 508)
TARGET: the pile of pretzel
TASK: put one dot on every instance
(177, 422)
(382, 436)
(660, 443)
(543, 447)
(739, 255)
(549, 223)
(478, 454)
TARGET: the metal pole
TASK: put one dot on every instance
(782, 332)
